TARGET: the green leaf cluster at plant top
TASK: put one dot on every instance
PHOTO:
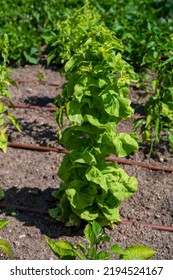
(4, 245)
(94, 236)
(5, 98)
(95, 101)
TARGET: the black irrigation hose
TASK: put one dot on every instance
(52, 109)
(22, 106)
(37, 83)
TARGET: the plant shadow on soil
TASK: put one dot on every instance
(39, 101)
(41, 134)
(34, 198)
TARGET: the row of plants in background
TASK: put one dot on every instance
(158, 118)
(26, 22)
(95, 99)
(29, 22)
(5, 98)
(95, 238)
(135, 22)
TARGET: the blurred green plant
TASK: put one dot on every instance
(1, 193)
(158, 118)
(5, 97)
(40, 76)
(4, 245)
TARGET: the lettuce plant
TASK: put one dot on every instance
(5, 98)
(4, 245)
(94, 236)
(95, 99)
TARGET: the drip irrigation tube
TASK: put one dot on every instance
(111, 159)
(153, 226)
(125, 222)
(22, 106)
(149, 166)
(37, 148)
(37, 83)
(53, 109)
(23, 208)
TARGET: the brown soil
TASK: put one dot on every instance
(28, 178)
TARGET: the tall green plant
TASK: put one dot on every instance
(5, 97)
(95, 98)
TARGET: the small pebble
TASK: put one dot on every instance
(22, 235)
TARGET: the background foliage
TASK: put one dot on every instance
(27, 21)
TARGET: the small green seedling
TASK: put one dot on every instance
(4, 245)
(12, 211)
(40, 76)
(93, 232)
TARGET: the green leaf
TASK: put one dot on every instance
(146, 135)
(88, 214)
(104, 238)
(137, 123)
(1, 193)
(30, 58)
(54, 212)
(109, 207)
(117, 249)
(90, 235)
(96, 228)
(83, 156)
(137, 252)
(74, 111)
(3, 223)
(3, 142)
(125, 144)
(14, 122)
(94, 175)
(113, 179)
(82, 248)
(170, 136)
(62, 249)
(6, 248)
(103, 255)
(80, 195)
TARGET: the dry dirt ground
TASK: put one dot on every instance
(29, 177)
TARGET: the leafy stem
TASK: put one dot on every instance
(94, 236)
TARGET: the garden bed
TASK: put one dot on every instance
(29, 177)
